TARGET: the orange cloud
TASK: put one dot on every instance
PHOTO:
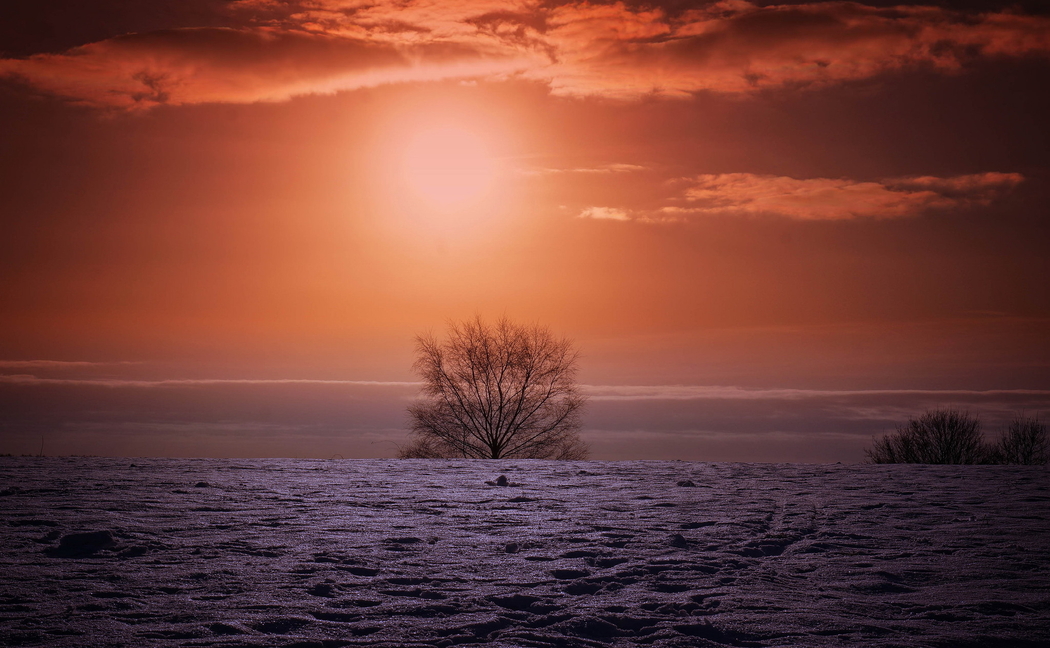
(837, 199)
(605, 213)
(612, 50)
(187, 66)
(598, 170)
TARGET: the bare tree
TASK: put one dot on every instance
(944, 436)
(496, 392)
(1024, 442)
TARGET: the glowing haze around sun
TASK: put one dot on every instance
(447, 166)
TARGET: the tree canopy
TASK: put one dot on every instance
(496, 391)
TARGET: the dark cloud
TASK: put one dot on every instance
(737, 47)
(58, 25)
(734, 424)
(838, 199)
(749, 194)
(202, 417)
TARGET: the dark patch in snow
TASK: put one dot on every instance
(280, 626)
(713, 633)
(604, 563)
(591, 627)
(567, 574)
(80, 545)
(581, 588)
(322, 589)
(226, 629)
(514, 601)
(47, 523)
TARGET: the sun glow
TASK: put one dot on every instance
(445, 173)
(447, 167)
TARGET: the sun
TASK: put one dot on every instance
(447, 166)
(444, 172)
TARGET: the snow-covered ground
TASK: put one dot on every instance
(404, 553)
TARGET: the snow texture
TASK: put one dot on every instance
(183, 552)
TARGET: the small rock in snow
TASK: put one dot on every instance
(678, 540)
(501, 481)
(202, 484)
(688, 483)
(512, 547)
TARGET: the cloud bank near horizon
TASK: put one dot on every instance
(104, 415)
(288, 49)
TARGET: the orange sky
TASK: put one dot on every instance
(841, 200)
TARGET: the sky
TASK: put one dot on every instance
(773, 230)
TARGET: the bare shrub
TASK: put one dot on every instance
(493, 392)
(943, 436)
(1024, 442)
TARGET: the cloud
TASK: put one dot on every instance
(282, 417)
(837, 198)
(605, 213)
(734, 423)
(716, 392)
(60, 364)
(980, 188)
(737, 47)
(287, 49)
(882, 405)
(29, 379)
(189, 66)
(748, 409)
(599, 170)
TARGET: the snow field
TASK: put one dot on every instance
(196, 552)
